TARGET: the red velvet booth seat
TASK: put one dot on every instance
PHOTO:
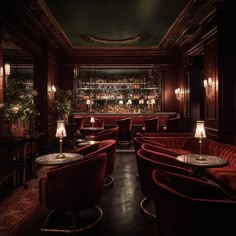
(225, 176)
(107, 146)
(188, 206)
(164, 134)
(74, 189)
(146, 163)
(151, 125)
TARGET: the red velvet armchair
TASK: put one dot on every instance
(73, 188)
(111, 133)
(146, 163)
(188, 206)
(107, 146)
(151, 125)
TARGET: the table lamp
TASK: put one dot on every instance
(60, 133)
(200, 134)
(92, 121)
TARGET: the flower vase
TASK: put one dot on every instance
(20, 128)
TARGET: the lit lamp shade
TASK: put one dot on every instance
(92, 120)
(121, 102)
(129, 102)
(200, 130)
(7, 69)
(61, 131)
(153, 101)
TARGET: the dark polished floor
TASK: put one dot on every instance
(120, 204)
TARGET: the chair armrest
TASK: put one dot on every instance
(87, 149)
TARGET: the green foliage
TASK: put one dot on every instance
(19, 101)
(63, 99)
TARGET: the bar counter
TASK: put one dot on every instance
(137, 118)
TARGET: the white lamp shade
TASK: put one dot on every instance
(200, 130)
(92, 120)
(7, 69)
(61, 131)
(129, 102)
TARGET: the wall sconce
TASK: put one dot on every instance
(54, 89)
(5, 72)
(178, 93)
(209, 88)
(60, 133)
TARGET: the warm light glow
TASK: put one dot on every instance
(209, 87)
(92, 120)
(121, 102)
(141, 101)
(153, 101)
(129, 102)
(178, 93)
(88, 102)
(200, 130)
(7, 69)
(61, 131)
(54, 89)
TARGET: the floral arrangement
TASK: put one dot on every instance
(19, 101)
(62, 104)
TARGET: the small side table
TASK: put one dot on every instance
(200, 162)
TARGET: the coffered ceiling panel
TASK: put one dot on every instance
(109, 23)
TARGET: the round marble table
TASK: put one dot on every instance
(200, 162)
(53, 159)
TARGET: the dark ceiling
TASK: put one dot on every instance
(102, 23)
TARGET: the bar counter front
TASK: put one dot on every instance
(137, 119)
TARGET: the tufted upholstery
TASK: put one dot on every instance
(164, 134)
(183, 145)
(188, 206)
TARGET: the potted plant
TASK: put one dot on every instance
(19, 107)
(62, 104)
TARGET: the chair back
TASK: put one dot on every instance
(146, 163)
(168, 157)
(151, 125)
(111, 133)
(189, 206)
(109, 147)
(75, 186)
(124, 125)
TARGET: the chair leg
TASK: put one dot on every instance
(76, 222)
(147, 207)
(108, 181)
